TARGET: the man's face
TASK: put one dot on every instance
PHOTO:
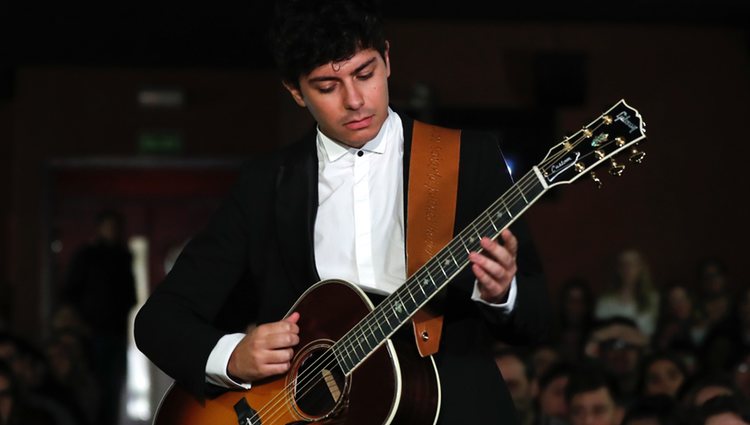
(663, 377)
(348, 99)
(514, 375)
(552, 398)
(594, 408)
(621, 356)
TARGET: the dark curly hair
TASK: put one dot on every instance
(308, 33)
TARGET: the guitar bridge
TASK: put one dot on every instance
(244, 412)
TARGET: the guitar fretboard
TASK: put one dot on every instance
(375, 328)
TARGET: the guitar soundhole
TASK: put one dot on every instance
(319, 383)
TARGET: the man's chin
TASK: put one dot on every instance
(357, 139)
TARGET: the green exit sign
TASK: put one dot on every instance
(152, 143)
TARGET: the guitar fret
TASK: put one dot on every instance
(489, 217)
(410, 295)
(398, 309)
(395, 310)
(488, 230)
(442, 269)
(381, 328)
(450, 251)
(371, 338)
(340, 360)
(421, 289)
(505, 204)
(431, 279)
(479, 235)
(364, 352)
(387, 318)
(348, 354)
(463, 242)
(521, 192)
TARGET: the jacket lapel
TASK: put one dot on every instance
(296, 208)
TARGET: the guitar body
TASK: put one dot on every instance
(353, 365)
(394, 384)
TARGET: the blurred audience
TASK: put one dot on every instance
(728, 340)
(628, 357)
(592, 397)
(631, 292)
(517, 375)
(651, 410)
(551, 406)
(576, 317)
(620, 346)
(541, 358)
(14, 410)
(701, 388)
(99, 293)
(679, 326)
(664, 373)
(724, 410)
(714, 290)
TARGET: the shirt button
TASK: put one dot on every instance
(360, 153)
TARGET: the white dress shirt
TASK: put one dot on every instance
(359, 227)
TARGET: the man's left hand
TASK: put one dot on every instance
(495, 267)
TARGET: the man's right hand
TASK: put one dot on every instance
(266, 350)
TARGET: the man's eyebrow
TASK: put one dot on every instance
(356, 71)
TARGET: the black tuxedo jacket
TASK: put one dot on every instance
(256, 257)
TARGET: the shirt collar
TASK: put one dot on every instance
(335, 150)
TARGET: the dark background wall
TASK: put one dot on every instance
(532, 74)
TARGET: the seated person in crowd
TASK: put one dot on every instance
(593, 397)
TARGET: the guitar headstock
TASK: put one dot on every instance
(615, 132)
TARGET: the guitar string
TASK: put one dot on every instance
(308, 383)
(367, 322)
(329, 357)
(369, 325)
(306, 386)
(409, 290)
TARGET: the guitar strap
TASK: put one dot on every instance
(430, 216)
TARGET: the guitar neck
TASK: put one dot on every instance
(375, 328)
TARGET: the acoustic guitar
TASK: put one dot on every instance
(350, 354)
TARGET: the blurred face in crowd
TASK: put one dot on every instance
(594, 408)
(679, 304)
(542, 358)
(575, 306)
(725, 419)
(710, 392)
(514, 374)
(552, 398)
(622, 358)
(630, 266)
(663, 377)
(712, 279)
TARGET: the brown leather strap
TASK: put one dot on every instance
(433, 185)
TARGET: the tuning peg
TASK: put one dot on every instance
(616, 169)
(596, 180)
(636, 155)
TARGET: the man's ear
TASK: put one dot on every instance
(296, 94)
(387, 59)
